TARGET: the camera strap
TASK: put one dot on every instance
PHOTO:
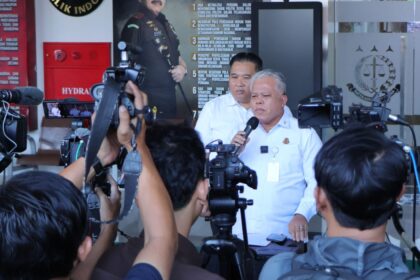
(102, 122)
(132, 163)
(132, 167)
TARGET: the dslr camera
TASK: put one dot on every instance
(115, 78)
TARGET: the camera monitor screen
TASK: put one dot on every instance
(288, 38)
(68, 109)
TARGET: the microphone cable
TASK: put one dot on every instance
(416, 183)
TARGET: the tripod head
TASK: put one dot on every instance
(223, 211)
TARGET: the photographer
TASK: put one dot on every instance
(360, 175)
(48, 227)
(47, 218)
(282, 154)
(179, 157)
(160, 240)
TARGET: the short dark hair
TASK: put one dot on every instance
(247, 56)
(362, 173)
(179, 156)
(43, 221)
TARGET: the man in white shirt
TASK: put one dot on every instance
(282, 154)
(225, 115)
(55, 111)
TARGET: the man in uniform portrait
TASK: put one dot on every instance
(157, 43)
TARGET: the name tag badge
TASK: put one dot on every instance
(273, 172)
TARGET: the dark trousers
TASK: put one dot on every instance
(164, 99)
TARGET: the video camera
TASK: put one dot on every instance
(126, 71)
(225, 171)
(325, 109)
(13, 131)
(13, 126)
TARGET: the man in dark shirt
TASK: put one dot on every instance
(150, 30)
(179, 156)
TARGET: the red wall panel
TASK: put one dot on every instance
(70, 69)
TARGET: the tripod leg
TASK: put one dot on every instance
(239, 266)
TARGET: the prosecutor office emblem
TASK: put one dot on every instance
(373, 73)
(76, 8)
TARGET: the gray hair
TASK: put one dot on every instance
(269, 73)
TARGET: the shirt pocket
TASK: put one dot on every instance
(290, 160)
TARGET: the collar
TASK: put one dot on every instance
(232, 102)
(286, 119)
(362, 257)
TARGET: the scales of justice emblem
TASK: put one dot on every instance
(374, 74)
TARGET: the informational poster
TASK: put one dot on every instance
(210, 32)
(220, 30)
(17, 43)
(17, 51)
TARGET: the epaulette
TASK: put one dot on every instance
(139, 15)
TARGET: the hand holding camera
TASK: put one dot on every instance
(127, 121)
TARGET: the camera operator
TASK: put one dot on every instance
(149, 30)
(179, 157)
(160, 242)
(360, 176)
(282, 154)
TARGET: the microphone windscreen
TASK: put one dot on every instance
(253, 122)
(30, 96)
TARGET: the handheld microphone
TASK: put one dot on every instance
(251, 124)
(22, 95)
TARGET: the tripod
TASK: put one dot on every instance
(231, 251)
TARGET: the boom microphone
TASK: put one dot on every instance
(22, 95)
(397, 119)
(251, 124)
